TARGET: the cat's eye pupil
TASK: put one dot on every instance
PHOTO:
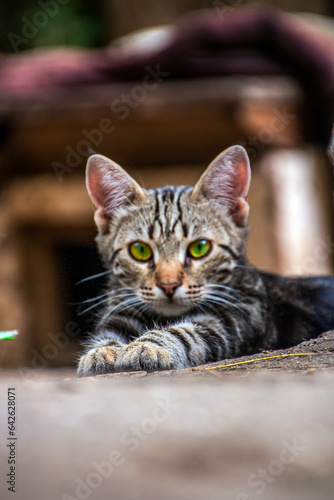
(199, 249)
(140, 251)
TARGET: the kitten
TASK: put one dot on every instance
(181, 292)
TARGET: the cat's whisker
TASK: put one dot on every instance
(94, 276)
(142, 306)
(202, 308)
(224, 299)
(92, 307)
(218, 299)
(124, 299)
(90, 300)
(213, 305)
(105, 300)
(226, 287)
(204, 303)
(108, 294)
(226, 296)
(116, 291)
(229, 292)
(216, 302)
(123, 306)
(142, 309)
(120, 308)
(121, 289)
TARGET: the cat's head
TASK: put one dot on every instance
(172, 245)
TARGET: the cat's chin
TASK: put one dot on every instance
(171, 309)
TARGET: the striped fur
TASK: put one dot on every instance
(222, 306)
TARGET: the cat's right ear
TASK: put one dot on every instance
(226, 182)
(110, 188)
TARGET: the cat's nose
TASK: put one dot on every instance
(169, 288)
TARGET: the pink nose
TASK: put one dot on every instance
(169, 288)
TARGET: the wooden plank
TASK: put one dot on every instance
(179, 121)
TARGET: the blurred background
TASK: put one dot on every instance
(85, 24)
(161, 88)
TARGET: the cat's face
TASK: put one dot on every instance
(172, 246)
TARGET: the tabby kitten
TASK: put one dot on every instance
(181, 292)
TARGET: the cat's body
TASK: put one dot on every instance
(181, 292)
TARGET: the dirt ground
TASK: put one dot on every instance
(254, 431)
(313, 355)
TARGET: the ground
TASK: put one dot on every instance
(259, 430)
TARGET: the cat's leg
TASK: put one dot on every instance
(101, 353)
(192, 342)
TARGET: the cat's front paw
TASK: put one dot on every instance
(97, 360)
(139, 356)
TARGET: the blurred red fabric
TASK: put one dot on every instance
(250, 40)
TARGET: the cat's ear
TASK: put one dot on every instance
(110, 188)
(226, 182)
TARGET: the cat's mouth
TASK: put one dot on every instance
(171, 306)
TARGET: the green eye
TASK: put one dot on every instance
(141, 251)
(199, 249)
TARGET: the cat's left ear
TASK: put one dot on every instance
(226, 182)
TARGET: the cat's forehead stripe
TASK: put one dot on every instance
(168, 209)
(157, 219)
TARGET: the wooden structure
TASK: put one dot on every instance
(166, 134)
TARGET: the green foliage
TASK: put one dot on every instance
(77, 23)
